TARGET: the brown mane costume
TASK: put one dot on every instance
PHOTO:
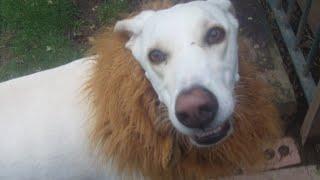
(131, 128)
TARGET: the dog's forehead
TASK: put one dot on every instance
(184, 19)
(189, 14)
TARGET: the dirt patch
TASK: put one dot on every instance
(90, 20)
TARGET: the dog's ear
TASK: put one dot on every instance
(224, 4)
(134, 25)
(227, 6)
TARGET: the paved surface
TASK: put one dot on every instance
(254, 26)
(298, 173)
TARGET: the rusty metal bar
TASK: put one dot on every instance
(290, 9)
(298, 60)
(279, 4)
(310, 126)
(313, 50)
(303, 21)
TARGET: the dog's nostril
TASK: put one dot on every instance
(183, 117)
(205, 112)
(204, 108)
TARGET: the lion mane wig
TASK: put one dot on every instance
(131, 129)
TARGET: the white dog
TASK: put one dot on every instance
(189, 54)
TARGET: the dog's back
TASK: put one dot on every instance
(43, 128)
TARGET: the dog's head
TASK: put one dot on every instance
(189, 54)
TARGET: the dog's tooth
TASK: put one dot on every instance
(207, 133)
(216, 130)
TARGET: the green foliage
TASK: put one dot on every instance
(39, 41)
(37, 17)
(109, 10)
(36, 34)
(60, 51)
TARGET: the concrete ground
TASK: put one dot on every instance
(255, 27)
(296, 173)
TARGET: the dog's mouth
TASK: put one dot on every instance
(213, 136)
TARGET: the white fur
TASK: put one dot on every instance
(179, 31)
(43, 126)
(43, 117)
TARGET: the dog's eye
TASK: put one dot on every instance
(156, 56)
(215, 35)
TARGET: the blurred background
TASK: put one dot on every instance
(39, 34)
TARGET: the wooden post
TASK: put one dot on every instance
(311, 124)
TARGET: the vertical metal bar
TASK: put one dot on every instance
(303, 21)
(291, 6)
(313, 50)
(279, 4)
(312, 118)
(298, 60)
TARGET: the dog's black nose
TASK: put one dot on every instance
(196, 107)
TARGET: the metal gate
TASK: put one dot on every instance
(302, 65)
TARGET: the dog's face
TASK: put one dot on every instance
(189, 54)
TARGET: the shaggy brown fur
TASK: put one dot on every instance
(131, 128)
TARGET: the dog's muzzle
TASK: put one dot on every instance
(196, 108)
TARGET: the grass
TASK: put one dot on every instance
(109, 11)
(51, 52)
(37, 29)
(39, 34)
